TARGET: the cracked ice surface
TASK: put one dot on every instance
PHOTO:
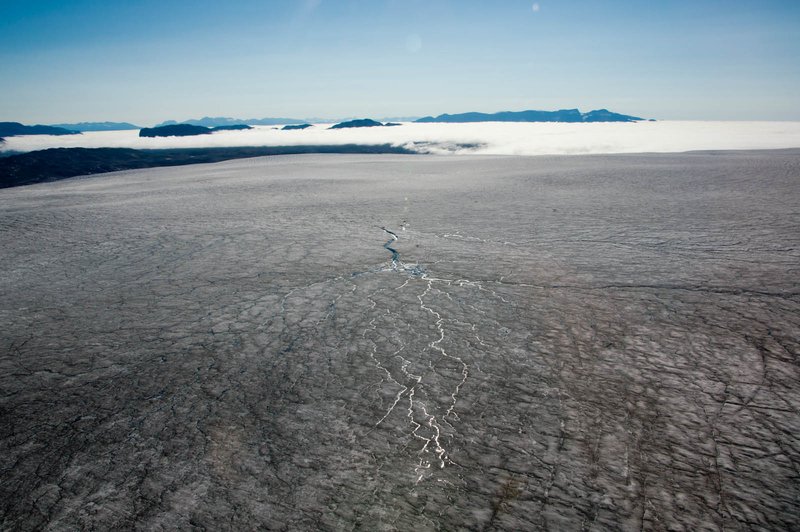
(595, 342)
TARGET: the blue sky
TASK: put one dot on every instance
(148, 61)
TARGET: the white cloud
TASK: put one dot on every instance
(535, 7)
(488, 137)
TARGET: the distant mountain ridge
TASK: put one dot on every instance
(562, 115)
(98, 126)
(11, 129)
(216, 121)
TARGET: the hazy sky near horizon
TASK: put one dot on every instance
(145, 61)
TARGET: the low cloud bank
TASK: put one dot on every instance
(471, 138)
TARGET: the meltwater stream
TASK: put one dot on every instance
(415, 270)
(429, 426)
(390, 249)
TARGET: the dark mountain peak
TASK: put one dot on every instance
(11, 129)
(232, 127)
(562, 115)
(363, 122)
(290, 127)
(604, 115)
(187, 130)
(177, 130)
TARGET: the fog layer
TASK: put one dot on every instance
(481, 138)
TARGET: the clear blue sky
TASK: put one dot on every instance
(152, 60)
